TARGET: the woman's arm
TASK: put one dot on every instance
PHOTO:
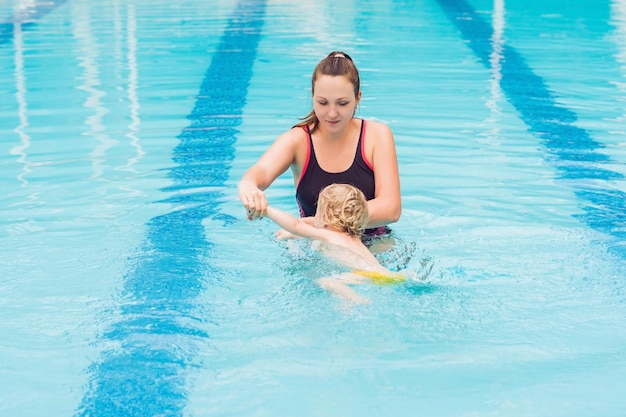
(386, 206)
(275, 161)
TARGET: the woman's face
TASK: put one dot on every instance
(334, 102)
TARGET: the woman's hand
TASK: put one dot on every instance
(275, 161)
(253, 199)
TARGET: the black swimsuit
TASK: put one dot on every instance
(313, 178)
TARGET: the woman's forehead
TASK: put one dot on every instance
(334, 85)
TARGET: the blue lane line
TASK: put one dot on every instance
(160, 327)
(570, 149)
(27, 19)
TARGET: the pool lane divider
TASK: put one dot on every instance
(26, 18)
(151, 348)
(572, 152)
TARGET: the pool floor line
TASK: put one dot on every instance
(160, 328)
(569, 149)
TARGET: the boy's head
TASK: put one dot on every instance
(342, 207)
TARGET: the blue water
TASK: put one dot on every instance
(132, 285)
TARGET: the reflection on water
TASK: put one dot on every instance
(91, 54)
(495, 59)
(88, 54)
(22, 105)
(573, 152)
(133, 100)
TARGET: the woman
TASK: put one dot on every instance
(331, 146)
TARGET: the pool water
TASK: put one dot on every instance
(131, 283)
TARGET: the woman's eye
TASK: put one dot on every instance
(343, 103)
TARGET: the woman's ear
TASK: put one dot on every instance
(358, 100)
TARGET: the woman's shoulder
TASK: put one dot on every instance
(377, 130)
(377, 126)
(298, 131)
(294, 135)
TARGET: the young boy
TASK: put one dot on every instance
(339, 221)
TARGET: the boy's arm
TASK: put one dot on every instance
(283, 234)
(296, 225)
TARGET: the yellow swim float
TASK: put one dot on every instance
(381, 278)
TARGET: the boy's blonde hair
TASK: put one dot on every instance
(343, 207)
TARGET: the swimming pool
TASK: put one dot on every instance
(131, 283)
